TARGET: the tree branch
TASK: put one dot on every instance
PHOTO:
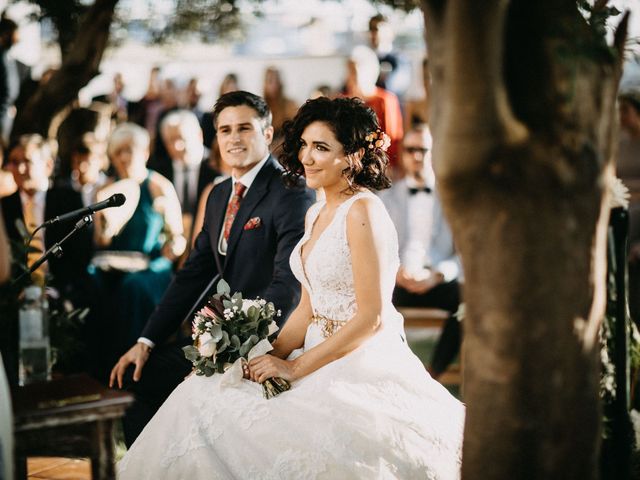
(80, 65)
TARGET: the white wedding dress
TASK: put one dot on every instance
(373, 414)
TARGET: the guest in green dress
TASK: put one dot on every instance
(142, 239)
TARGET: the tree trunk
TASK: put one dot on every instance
(80, 65)
(523, 120)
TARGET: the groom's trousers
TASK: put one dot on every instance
(164, 370)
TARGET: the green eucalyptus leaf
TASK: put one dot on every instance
(216, 332)
(223, 287)
(191, 353)
(253, 313)
(223, 343)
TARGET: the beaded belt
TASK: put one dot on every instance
(326, 325)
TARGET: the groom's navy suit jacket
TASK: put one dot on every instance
(257, 259)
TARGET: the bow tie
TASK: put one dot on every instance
(414, 190)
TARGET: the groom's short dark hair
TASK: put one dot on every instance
(240, 97)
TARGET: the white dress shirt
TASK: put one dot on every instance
(183, 173)
(415, 255)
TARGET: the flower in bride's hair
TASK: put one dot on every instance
(378, 140)
(386, 142)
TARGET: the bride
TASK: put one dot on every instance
(361, 405)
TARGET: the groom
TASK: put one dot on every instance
(252, 222)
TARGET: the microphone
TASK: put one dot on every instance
(114, 200)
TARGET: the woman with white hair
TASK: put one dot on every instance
(142, 238)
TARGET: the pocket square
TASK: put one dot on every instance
(252, 223)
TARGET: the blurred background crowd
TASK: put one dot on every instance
(143, 126)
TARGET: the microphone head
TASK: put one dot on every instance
(117, 199)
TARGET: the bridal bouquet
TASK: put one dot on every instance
(230, 330)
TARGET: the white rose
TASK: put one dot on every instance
(249, 303)
(206, 346)
(273, 328)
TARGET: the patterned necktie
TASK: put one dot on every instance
(232, 209)
(31, 224)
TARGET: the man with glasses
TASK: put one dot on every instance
(31, 161)
(430, 269)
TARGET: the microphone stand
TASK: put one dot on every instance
(55, 249)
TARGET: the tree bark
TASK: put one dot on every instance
(81, 63)
(524, 95)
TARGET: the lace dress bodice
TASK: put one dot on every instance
(327, 274)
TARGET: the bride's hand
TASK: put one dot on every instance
(267, 366)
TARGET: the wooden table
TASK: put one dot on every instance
(73, 416)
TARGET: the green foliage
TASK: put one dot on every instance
(597, 15)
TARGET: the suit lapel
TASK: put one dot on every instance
(254, 195)
(12, 210)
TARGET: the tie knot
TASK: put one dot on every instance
(239, 189)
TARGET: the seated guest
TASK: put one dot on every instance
(87, 159)
(281, 106)
(429, 267)
(362, 73)
(7, 185)
(183, 158)
(30, 159)
(144, 237)
(82, 144)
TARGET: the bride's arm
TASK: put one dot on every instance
(364, 233)
(295, 328)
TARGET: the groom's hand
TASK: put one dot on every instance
(138, 355)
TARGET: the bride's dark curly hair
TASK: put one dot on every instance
(351, 121)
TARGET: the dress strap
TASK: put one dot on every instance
(344, 207)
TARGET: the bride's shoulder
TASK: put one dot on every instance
(367, 208)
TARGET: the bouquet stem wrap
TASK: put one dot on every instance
(234, 375)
